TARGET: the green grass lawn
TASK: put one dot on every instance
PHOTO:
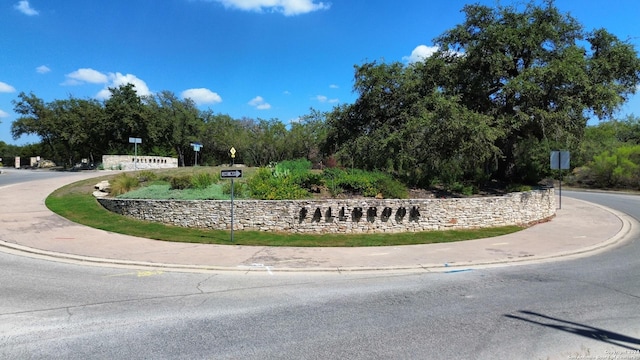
(76, 203)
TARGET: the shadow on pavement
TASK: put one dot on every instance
(590, 332)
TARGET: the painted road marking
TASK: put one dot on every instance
(257, 265)
(141, 273)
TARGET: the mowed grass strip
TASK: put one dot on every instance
(76, 203)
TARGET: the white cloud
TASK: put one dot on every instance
(111, 80)
(202, 96)
(420, 53)
(43, 69)
(324, 99)
(6, 88)
(104, 94)
(117, 79)
(259, 103)
(287, 7)
(3, 114)
(24, 7)
(87, 75)
(334, 86)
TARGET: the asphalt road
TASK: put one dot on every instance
(10, 176)
(584, 308)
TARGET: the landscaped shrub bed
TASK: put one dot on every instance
(287, 180)
(295, 180)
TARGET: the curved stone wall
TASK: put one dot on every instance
(345, 215)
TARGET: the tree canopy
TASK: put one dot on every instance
(73, 129)
(506, 86)
(506, 82)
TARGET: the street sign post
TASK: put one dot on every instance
(560, 160)
(231, 174)
(196, 147)
(135, 141)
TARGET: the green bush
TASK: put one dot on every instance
(290, 179)
(518, 188)
(300, 166)
(180, 182)
(353, 181)
(123, 183)
(294, 180)
(312, 179)
(365, 183)
(462, 188)
(239, 189)
(392, 189)
(203, 180)
(147, 176)
(618, 169)
(265, 186)
(299, 171)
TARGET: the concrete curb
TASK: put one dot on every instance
(629, 226)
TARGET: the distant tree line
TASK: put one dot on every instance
(507, 86)
(609, 156)
(75, 129)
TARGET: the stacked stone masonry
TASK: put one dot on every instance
(130, 162)
(345, 215)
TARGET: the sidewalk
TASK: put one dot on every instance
(27, 226)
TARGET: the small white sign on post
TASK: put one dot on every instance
(135, 141)
(230, 174)
(196, 148)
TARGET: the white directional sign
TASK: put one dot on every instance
(231, 174)
(196, 146)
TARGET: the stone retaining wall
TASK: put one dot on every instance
(345, 215)
(126, 162)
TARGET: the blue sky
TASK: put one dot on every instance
(268, 59)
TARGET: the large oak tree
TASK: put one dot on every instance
(505, 86)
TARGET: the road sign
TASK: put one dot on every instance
(560, 160)
(196, 146)
(135, 141)
(230, 174)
